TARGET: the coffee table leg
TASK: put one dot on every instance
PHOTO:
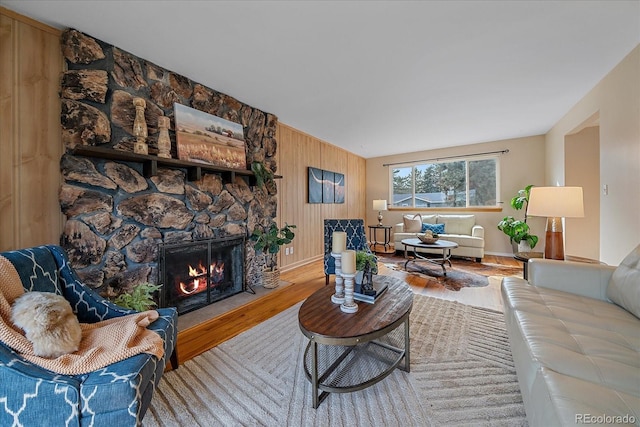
(445, 258)
(314, 374)
(407, 347)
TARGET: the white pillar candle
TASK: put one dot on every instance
(349, 262)
(339, 242)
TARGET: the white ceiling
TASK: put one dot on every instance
(376, 77)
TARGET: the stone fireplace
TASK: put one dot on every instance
(122, 211)
(196, 274)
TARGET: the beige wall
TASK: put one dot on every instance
(617, 100)
(582, 152)
(523, 165)
(30, 136)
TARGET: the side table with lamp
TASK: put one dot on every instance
(555, 203)
(380, 205)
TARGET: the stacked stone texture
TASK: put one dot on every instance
(116, 218)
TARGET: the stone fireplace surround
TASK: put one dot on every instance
(116, 216)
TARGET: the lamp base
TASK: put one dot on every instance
(379, 219)
(554, 239)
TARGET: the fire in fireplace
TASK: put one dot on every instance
(200, 277)
(199, 273)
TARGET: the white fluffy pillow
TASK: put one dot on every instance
(412, 223)
(624, 285)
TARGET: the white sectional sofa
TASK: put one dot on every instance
(461, 229)
(574, 330)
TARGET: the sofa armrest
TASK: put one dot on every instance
(589, 280)
(477, 231)
(399, 228)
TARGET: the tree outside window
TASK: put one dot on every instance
(457, 183)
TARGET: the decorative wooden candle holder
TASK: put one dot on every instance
(338, 297)
(164, 143)
(349, 305)
(140, 127)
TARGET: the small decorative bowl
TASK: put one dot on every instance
(426, 239)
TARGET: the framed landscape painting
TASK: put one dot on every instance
(204, 138)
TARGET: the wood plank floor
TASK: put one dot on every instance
(304, 281)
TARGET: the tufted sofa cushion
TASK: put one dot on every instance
(555, 398)
(578, 336)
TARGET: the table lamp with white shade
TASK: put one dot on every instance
(379, 205)
(555, 203)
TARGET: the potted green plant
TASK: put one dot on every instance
(262, 174)
(518, 230)
(269, 240)
(140, 298)
(362, 258)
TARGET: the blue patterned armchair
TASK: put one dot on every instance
(356, 240)
(117, 395)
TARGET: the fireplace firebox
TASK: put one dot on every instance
(198, 273)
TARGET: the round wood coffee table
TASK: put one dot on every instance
(443, 245)
(351, 351)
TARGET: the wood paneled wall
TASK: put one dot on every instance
(30, 136)
(296, 152)
(30, 150)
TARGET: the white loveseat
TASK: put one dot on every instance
(574, 331)
(461, 229)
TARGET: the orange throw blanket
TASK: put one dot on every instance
(102, 344)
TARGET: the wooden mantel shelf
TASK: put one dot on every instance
(150, 164)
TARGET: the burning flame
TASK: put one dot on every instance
(190, 288)
(199, 273)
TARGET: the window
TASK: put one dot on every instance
(457, 183)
